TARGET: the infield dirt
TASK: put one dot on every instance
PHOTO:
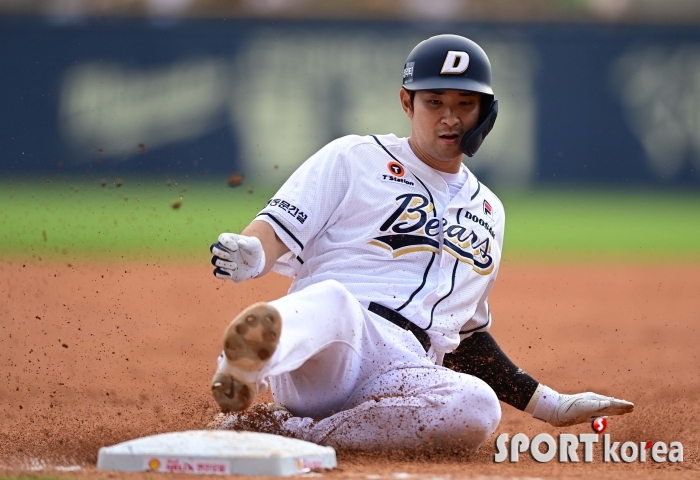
(94, 354)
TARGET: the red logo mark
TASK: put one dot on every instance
(648, 446)
(599, 424)
(488, 210)
(396, 169)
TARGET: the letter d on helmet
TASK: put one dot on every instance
(451, 62)
(455, 62)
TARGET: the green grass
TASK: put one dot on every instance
(70, 219)
(80, 219)
(656, 226)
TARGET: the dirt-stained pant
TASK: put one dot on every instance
(353, 379)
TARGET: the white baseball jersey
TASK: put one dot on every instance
(365, 211)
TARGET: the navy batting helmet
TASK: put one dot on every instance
(451, 62)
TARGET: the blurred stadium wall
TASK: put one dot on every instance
(592, 92)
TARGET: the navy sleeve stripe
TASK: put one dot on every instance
(478, 189)
(387, 151)
(286, 230)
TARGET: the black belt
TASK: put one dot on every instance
(402, 322)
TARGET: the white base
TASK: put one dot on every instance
(213, 452)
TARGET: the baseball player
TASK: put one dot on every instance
(394, 246)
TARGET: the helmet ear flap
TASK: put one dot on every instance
(474, 137)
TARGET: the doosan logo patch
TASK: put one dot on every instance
(488, 209)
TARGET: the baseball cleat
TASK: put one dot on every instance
(232, 395)
(249, 342)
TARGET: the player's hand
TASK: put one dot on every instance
(579, 408)
(237, 257)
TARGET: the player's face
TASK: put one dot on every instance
(439, 119)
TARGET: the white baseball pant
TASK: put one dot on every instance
(354, 380)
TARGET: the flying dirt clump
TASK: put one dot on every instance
(235, 180)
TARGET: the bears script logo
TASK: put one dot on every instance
(412, 228)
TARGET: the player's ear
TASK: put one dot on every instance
(406, 102)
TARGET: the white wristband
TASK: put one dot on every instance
(534, 399)
(543, 403)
